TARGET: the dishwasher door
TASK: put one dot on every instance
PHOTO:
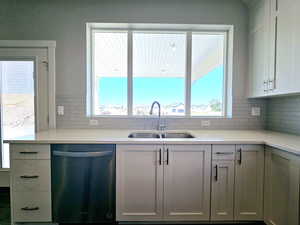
(83, 183)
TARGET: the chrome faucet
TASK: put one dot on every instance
(159, 125)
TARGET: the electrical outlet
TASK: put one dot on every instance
(255, 111)
(205, 123)
(60, 110)
(93, 122)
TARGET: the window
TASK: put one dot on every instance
(159, 72)
(183, 69)
(110, 73)
(207, 80)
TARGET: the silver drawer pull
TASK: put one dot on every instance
(28, 152)
(29, 177)
(224, 153)
(30, 208)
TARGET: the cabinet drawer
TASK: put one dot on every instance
(31, 206)
(30, 175)
(223, 152)
(30, 151)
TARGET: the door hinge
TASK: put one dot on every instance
(46, 63)
(48, 119)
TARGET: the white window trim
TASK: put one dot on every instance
(50, 45)
(228, 30)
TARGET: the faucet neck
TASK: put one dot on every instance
(159, 109)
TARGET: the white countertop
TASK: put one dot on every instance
(286, 142)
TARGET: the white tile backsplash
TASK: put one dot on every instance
(75, 117)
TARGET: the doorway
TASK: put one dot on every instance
(27, 88)
(17, 102)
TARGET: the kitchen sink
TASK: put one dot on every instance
(144, 135)
(177, 135)
(162, 135)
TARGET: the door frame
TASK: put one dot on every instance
(50, 46)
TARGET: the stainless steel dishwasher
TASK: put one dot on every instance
(83, 183)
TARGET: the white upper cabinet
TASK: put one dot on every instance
(282, 21)
(259, 75)
(274, 44)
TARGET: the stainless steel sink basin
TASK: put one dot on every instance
(144, 135)
(177, 135)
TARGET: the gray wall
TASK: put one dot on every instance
(64, 21)
(283, 114)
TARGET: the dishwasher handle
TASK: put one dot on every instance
(82, 154)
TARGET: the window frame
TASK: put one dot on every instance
(226, 30)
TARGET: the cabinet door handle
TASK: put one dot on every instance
(30, 208)
(271, 84)
(29, 177)
(28, 152)
(265, 86)
(167, 161)
(224, 153)
(216, 175)
(240, 154)
(159, 161)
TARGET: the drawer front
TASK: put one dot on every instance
(30, 151)
(31, 175)
(31, 206)
(223, 152)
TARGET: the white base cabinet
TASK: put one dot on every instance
(175, 176)
(139, 182)
(249, 182)
(237, 183)
(222, 190)
(187, 182)
(281, 188)
(30, 183)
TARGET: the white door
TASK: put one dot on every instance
(139, 182)
(281, 188)
(222, 190)
(187, 172)
(249, 182)
(24, 93)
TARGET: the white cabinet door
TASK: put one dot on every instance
(139, 182)
(296, 47)
(249, 182)
(187, 173)
(283, 22)
(281, 188)
(259, 49)
(222, 193)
